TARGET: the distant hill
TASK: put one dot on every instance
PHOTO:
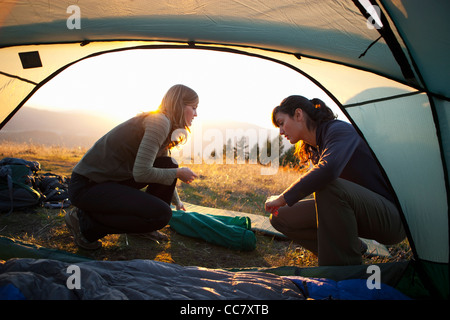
(66, 128)
(82, 129)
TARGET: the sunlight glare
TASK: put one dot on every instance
(230, 86)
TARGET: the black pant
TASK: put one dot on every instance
(122, 207)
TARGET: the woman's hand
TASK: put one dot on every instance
(180, 206)
(273, 203)
(186, 175)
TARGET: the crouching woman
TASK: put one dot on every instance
(106, 184)
(351, 196)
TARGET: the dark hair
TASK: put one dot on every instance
(317, 112)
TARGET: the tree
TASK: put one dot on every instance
(241, 151)
(289, 159)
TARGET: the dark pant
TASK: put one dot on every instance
(122, 207)
(330, 224)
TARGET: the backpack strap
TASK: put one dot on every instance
(6, 173)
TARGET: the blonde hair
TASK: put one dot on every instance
(172, 105)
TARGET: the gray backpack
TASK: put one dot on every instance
(16, 184)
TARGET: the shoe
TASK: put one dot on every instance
(363, 247)
(73, 224)
(154, 235)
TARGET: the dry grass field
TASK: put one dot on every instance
(228, 186)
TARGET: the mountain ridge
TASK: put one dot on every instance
(82, 129)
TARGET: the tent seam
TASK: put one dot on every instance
(398, 96)
(19, 78)
(183, 44)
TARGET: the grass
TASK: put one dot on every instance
(228, 186)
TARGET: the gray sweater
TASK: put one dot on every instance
(129, 151)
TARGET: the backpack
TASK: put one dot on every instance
(54, 190)
(16, 184)
(22, 187)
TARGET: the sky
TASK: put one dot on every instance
(230, 86)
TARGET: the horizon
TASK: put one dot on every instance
(205, 134)
(119, 85)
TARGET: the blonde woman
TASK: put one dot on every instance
(106, 184)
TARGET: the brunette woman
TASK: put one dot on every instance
(351, 196)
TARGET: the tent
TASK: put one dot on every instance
(384, 62)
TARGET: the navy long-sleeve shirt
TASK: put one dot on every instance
(341, 153)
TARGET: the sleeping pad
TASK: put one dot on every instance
(230, 232)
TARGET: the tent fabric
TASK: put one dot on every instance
(390, 139)
(326, 31)
(390, 81)
(12, 248)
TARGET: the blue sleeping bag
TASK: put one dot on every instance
(351, 289)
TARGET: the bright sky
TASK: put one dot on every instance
(230, 86)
